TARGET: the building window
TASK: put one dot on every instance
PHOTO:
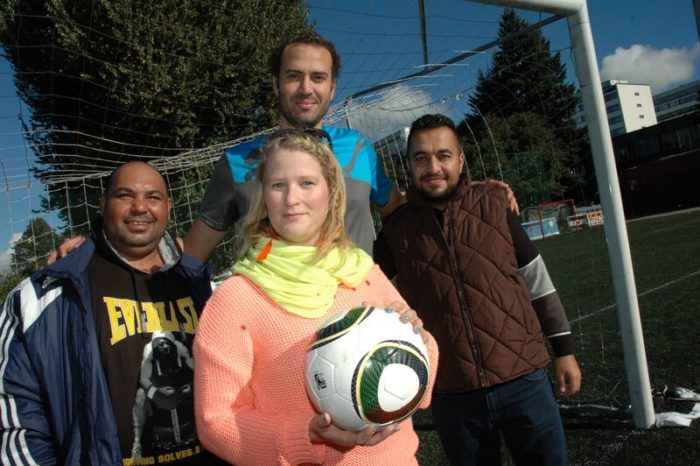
(636, 94)
(617, 131)
(610, 96)
(641, 116)
(639, 105)
(646, 146)
(684, 138)
(669, 142)
(624, 152)
(695, 136)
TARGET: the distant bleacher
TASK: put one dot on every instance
(551, 219)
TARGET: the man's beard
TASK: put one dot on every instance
(296, 122)
(437, 198)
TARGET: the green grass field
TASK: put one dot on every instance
(666, 259)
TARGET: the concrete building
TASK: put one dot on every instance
(677, 102)
(629, 106)
(659, 166)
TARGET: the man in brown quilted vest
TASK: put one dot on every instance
(463, 261)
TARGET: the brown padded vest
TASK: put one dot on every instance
(462, 278)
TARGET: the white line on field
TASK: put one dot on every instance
(639, 295)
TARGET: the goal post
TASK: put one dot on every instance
(576, 14)
(81, 156)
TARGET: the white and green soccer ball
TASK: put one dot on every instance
(366, 367)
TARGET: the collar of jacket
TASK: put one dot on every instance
(167, 247)
(75, 265)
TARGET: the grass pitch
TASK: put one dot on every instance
(666, 258)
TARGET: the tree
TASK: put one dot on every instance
(525, 152)
(7, 282)
(36, 243)
(526, 84)
(110, 81)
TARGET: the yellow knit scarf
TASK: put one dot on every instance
(288, 276)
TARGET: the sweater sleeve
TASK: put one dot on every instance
(543, 295)
(387, 289)
(229, 423)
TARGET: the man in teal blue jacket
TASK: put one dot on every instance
(304, 72)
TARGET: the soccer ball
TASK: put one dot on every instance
(366, 367)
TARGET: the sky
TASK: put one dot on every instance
(647, 41)
(641, 41)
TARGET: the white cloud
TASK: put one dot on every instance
(6, 255)
(643, 64)
(394, 109)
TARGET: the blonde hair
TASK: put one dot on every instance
(257, 224)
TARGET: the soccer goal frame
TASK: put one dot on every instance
(576, 14)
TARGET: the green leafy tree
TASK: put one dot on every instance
(29, 254)
(525, 152)
(110, 81)
(526, 84)
(7, 282)
(185, 196)
(31, 250)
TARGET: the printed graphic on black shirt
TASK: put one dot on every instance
(164, 395)
(146, 324)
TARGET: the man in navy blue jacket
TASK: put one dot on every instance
(95, 350)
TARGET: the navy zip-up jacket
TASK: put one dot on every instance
(54, 401)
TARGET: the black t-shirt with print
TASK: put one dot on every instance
(145, 327)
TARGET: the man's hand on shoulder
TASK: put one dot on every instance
(396, 199)
(510, 195)
(68, 246)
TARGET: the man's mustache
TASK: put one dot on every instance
(432, 176)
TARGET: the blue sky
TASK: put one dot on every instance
(640, 41)
(643, 41)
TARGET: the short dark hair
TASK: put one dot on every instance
(106, 191)
(428, 122)
(310, 38)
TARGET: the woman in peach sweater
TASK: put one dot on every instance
(297, 269)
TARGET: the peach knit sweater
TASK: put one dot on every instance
(250, 401)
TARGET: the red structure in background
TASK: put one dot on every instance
(544, 205)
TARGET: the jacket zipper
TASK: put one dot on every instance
(476, 353)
